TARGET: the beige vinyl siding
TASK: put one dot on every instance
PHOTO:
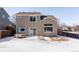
(24, 22)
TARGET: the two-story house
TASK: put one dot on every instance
(36, 24)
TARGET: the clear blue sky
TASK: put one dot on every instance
(68, 15)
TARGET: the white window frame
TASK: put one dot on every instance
(48, 31)
(33, 21)
(20, 29)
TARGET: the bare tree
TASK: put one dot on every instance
(13, 18)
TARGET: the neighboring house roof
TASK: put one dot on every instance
(4, 18)
(2, 9)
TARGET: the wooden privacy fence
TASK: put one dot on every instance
(4, 33)
(73, 35)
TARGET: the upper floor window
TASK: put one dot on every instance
(32, 18)
(42, 17)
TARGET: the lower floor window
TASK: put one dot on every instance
(48, 29)
(22, 29)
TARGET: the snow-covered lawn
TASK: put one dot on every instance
(33, 44)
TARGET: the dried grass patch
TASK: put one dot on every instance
(59, 39)
(52, 39)
(41, 38)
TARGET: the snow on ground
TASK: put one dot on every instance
(11, 44)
